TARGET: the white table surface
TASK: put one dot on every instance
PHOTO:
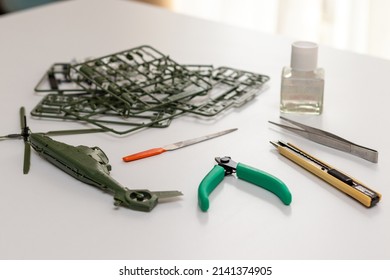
(50, 215)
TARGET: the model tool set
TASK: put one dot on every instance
(143, 88)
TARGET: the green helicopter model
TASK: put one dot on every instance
(87, 164)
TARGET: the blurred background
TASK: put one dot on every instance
(361, 26)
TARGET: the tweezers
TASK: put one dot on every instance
(330, 140)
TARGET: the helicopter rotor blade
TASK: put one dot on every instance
(25, 129)
(73, 131)
(27, 158)
(23, 121)
(11, 136)
(25, 133)
(56, 133)
(23, 126)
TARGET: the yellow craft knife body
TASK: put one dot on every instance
(340, 180)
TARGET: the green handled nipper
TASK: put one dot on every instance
(226, 166)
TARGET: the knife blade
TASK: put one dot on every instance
(175, 146)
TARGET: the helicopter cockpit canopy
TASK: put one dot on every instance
(97, 154)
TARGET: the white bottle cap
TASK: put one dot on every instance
(304, 56)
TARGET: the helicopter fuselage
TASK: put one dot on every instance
(90, 165)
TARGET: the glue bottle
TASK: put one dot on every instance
(302, 87)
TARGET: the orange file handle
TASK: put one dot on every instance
(144, 154)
